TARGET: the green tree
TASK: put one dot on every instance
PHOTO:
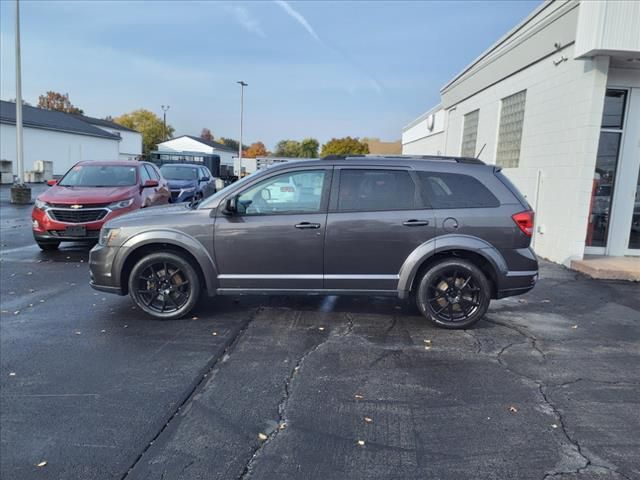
(149, 125)
(59, 102)
(287, 148)
(309, 148)
(344, 146)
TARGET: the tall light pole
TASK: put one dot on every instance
(242, 85)
(20, 193)
(164, 119)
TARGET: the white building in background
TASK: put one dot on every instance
(130, 147)
(192, 144)
(556, 103)
(63, 139)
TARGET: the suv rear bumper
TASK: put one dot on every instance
(524, 275)
(517, 283)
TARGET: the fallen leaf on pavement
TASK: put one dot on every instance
(368, 419)
(554, 426)
(262, 436)
(513, 409)
(282, 426)
(42, 463)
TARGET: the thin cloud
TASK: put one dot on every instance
(298, 17)
(246, 20)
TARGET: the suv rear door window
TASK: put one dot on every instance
(454, 190)
(374, 190)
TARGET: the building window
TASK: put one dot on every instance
(470, 134)
(510, 130)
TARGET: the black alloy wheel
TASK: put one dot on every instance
(454, 294)
(164, 285)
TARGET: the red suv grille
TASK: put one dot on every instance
(77, 216)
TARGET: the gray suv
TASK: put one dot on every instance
(451, 232)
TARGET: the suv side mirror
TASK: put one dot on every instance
(150, 183)
(205, 179)
(230, 206)
(51, 183)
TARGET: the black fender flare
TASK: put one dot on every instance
(445, 243)
(170, 237)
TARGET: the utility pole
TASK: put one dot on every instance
(242, 85)
(20, 193)
(164, 120)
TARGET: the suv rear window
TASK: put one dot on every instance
(454, 190)
(371, 190)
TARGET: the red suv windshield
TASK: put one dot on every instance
(99, 176)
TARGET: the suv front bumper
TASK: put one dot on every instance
(101, 260)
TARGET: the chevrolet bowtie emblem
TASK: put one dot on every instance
(76, 206)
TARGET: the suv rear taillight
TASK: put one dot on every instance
(524, 220)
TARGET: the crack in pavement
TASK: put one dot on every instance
(213, 364)
(522, 331)
(475, 339)
(282, 406)
(531, 340)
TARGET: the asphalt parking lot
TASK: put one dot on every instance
(547, 386)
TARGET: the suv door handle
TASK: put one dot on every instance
(307, 225)
(416, 223)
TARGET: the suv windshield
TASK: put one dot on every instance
(178, 173)
(99, 176)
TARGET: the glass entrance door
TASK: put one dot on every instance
(604, 177)
(634, 234)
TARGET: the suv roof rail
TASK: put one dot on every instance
(469, 160)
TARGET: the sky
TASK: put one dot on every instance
(314, 69)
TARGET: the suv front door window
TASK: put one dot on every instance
(275, 239)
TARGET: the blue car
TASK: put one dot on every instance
(188, 182)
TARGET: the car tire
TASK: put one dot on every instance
(165, 285)
(454, 293)
(48, 246)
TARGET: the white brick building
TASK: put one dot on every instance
(556, 103)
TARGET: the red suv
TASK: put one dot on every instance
(92, 192)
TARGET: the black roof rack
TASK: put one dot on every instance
(469, 160)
